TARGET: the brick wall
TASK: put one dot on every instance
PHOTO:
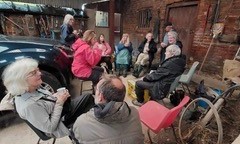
(222, 48)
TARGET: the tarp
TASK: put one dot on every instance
(28, 8)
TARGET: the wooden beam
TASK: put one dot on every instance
(111, 23)
(13, 22)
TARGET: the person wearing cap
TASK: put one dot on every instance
(168, 27)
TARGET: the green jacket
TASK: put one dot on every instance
(121, 125)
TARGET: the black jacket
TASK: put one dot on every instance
(165, 75)
(67, 36)
(152, 49)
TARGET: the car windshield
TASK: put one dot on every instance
(3, 37)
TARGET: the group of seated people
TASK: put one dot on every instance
(103, 117)
(100, 118)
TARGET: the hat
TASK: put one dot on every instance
(167, 24)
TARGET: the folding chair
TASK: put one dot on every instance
(44, 137)
(156, 117)
(41, 135)
(173, 86)
(186, 78)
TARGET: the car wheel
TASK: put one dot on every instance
(50, 82)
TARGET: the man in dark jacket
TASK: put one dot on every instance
(159, 81)
(147, 50)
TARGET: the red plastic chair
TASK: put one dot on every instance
(156, 117)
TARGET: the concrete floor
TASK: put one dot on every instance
(20, 133)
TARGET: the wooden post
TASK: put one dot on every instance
(111, 23)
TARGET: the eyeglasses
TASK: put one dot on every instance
(33, 73)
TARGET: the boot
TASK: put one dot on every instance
(140, 68)
(124, 72)
(121, 69)
(135, 68)
(118, 72)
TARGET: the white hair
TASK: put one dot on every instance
(173, 34)
(174, 50)
(15, 75)
(148, 35)
(67, 18)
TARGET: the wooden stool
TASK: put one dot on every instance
(81, 85)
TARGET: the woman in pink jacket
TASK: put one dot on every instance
(86, 58)
(106, 51)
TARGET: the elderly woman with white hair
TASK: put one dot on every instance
(68, 35)
(51, 113)
(159, 81)
(172, 39)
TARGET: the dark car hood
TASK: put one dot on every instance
(15, 47)
(20, 44)
(29, 39)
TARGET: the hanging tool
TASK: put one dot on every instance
(214, 21)
(26, 28)
(13, 22)
(217, 28)
(43, 25)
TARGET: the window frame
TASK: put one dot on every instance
(143, 20)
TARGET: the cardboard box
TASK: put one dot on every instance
(131, 91)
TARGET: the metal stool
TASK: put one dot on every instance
(81, 85)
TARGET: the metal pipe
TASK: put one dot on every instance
(209, 115)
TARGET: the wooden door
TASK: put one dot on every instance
(183, 16)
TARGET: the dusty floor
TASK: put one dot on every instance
(20, 133)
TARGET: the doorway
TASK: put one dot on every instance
(183, 16)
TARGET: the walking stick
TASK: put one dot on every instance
(217, 29)
(206, 55)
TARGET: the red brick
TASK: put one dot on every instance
(201, 39)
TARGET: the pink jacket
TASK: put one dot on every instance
(85, 58)
(106, 49)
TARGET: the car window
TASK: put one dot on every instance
(3, 37)
(3, 48)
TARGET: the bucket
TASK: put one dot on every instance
(212, 92)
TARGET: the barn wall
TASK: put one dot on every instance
(224, 47)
